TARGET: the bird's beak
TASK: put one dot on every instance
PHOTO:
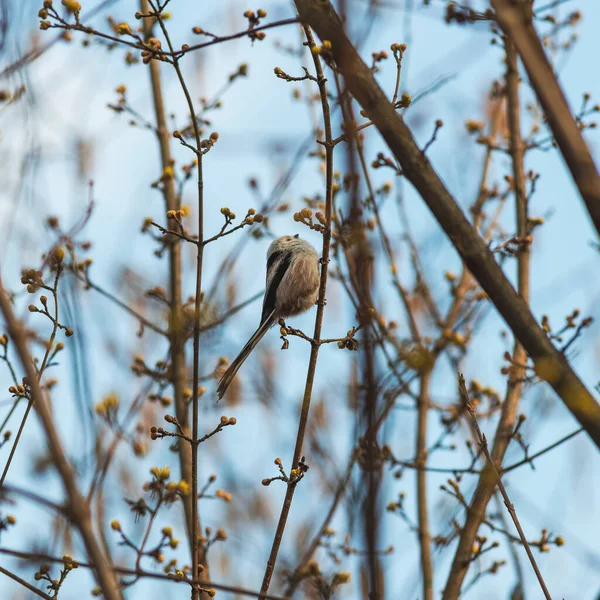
(297, 236)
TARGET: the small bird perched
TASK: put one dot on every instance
(292, 288)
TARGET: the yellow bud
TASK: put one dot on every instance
(223, 495)
(124, 29)
(71, 5)
(58, 255)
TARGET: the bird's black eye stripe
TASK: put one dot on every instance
(284, 263)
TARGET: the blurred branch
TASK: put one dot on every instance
(176, 314)
(296, 576)
(145, 322)
(78, 509)
(49, 348)
(486, 486)
(194, 521)
(25, 584)
(531, 458)
(232, 311)
(141, 573)
(32, 55)
(550, 364)
(421, 459)
(516, 21)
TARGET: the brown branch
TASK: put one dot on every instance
(421, 459)
(232, 311)
(314, 351)
(25, 584)
(497, 480)
(550, 363)
(49, 348)
(227, 38)
(296, 577)
(195, 522)
(516, 21)
(78, 509)
(39, 50)
(531, 458)
(140, 573)
(362, 275)
(486, 486)
(145, 322)
(177, 333)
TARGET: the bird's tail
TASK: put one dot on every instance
(228, 376)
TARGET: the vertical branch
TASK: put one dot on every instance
(362, 272)
(195, 521)
(372, 466)
(421, 456)
(314, 351)
(485, 487)
(196, 375)
(176, 333)
(362, 264)
(79, 510)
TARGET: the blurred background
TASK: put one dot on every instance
(59, 133)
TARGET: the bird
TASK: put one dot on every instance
(292, 288)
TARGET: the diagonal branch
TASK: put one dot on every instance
(550, 364)
(516, 21)
(498, 480)
(78, 509)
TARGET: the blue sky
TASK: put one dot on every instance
(260, 127)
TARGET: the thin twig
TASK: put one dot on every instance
(25, 584)
(551, 364)
(492, 466)
(145, 322)
(531, 458)
(49, 348)
(312, 365)
(132, 572)
(80, 513)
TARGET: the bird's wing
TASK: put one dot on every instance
(277, 265)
